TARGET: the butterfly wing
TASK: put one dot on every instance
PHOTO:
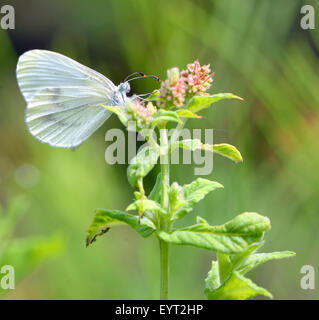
(63, 97)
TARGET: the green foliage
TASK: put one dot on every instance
(156, 193)
(189, 144)
(236, 287)
(255, 260)
(233, 237)
(119, 112)
(189, 195)
(151, 208)
(142, 164)
(104, 219)
(234, 241)
(185, 113)
(154, 96)
(226, 150)
(163, 116)
(226, 281)
(198, 103)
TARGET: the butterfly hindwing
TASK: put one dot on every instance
(62, 120)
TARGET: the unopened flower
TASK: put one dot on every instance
(198, 78)
(151, 108)
(136, 110)
(173, 75)
(173, 89)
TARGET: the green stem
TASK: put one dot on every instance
(164, 168)
(164, 222)
(142, 194)
(164, 248)
(177, 131)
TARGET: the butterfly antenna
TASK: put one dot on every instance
(145, 94)
(130, 75)
(142, 75)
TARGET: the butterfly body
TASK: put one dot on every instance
(120, 95)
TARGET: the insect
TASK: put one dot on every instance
(64, 97)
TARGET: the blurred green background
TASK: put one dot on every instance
(257, 50)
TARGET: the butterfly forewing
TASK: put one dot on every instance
(64, 97)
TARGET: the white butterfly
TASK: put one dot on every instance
(64, 97)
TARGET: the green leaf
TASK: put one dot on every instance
(226, 150)
(226, 278)
(236, 287)
(155, 96)
(176, 198)
(225, 266)
(104, 219)
(232, 237)
(188, 144)
(257, 259)
(156, 193)
(238, 259)
(142, 164)
(197, 190)
(212, 282)
(165, 116)
(148, 205)
(192, 193)
(185, 113)
(119, 112)
(229, 263)
(198, 103)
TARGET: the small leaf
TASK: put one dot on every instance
(189, 144)
(165, 116)
(212, 282)
(229, 263)
(197, 190)
(192, 193)
(142, 164)
(104, 219)
(185, 113)
(176, 198)
(155, 96)
(225, 266)
(156, 193)
(257, 259)
(198, 103)
(226, 150)
(148, 205)
(232, 237)
(236, 287)
(119, 112)
(247, 223)
(238, 259)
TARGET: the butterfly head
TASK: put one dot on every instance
(124, 87)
